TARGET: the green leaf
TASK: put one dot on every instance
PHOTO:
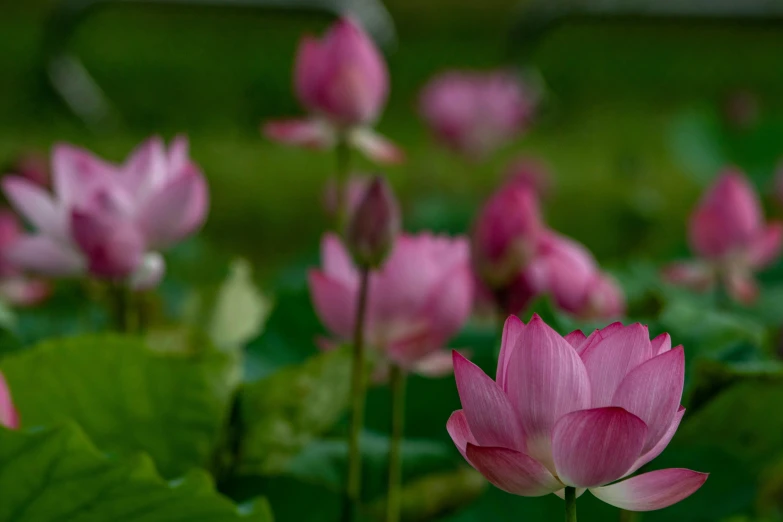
(57, 475)
(240, 309)
(127, 397)
(286, 411)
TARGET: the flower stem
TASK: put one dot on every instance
(122, 308)
(395, 456)
(353, 495)
(570, 504)
(628, 516)
(343, 152)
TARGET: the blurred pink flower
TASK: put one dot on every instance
(343, 82)
(417, 300)
(476, 113)
(15, 287)
(505, 233)
(728, 233)
(109, 220)
(353, 191)
(566, 270)
(374, 224)
(577, 411)
(530, 172)
(9, 417)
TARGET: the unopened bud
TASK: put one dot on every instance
(373, 225)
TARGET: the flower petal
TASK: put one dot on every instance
(74, 169)
(312, 134)
(546, 380)
(576, 338)
(334, 302)
(512, 329)
(459, 431)
(164, 215)
(9, 417)
(662, 343)
(695, 275)
(595, 447)
(766, 247)
(512, 471)
(653, 490)
(652, 391)
(336, 260)
(599, 335)
(741, 286)
(449, 304)
(43, 255)
(661, 445)
(35, 204)
(490, 415)
(436, 364)
(609, 360)
(376, 147)
(149, 272)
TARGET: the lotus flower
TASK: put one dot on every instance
(374, 225)
(476, 113)
(728, 233)
(8, 414)
(109, 220)
(353, 191)
(15, 287)
(583, 412)
(343, 83)
(417, 300)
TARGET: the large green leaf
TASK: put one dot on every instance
(128, 397)
(283, 413)
(57, 475)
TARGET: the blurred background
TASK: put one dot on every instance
(637, 117)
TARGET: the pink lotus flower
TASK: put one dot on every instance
(728, 233)
(476, 113)
(578, 411)
(505, 233)
(567, 271)
(9, 417)
(15, 287)
(109, 220)
(417, 300)
(343, 82)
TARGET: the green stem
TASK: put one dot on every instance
(343, 152)
(353, 495)
(123, 309)
(628, 516)
(395, 456)
(570, 504)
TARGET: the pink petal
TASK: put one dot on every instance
(512, 329)
(512, 471)
(653, 490)
(308, 72)
(609, 360)
(312, 134)
(662, 343)
(73, 169)
(334, 303)
(196, 211)
(459, 431)
(576, 338)
(376, 147)
(336, 260)
(597, 446)
(546, 380)
(599, 335)
(35, 205)
(21, 291)
(9, 417)
(44, 255)
(661, 445)
(450, 303)
(694, 275)
(436, 364)
(490, 415)
(741, 286)
(114, 247)
(149, 273)
(652, 391)
(178, 155)
(766, 247)
(164, 216)
(147, 166)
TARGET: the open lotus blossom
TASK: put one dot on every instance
(476, 113)
(419, 298)
(109, 220)
(343, 82)
(728, 233)
(9, 417)
(576, 411)
(16, 288)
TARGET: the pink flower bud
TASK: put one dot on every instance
(505, 234)
(353, 192)
(530, 172)
(476, 113)
(343, 76)
(575, 411)
(9, 417)
(373, 225)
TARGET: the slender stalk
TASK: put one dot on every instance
(570, 504)
(628, 516)
(343, 152)
(395, 446)
(353, 495)
(122, 307)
